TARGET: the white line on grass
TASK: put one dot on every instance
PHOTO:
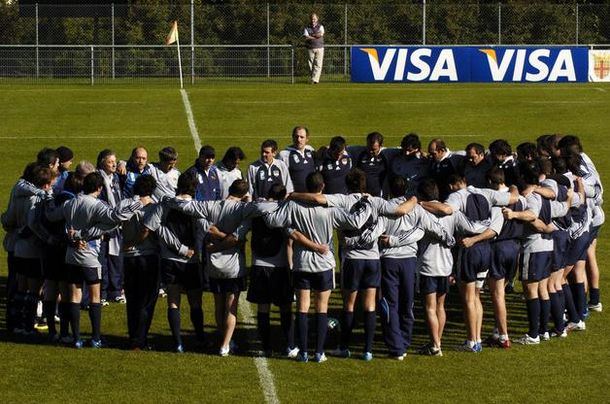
(600, 89)
(109, 102)
(190, 119)
(564, 102)
(262, 366)
(265, 102)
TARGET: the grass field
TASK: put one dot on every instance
(90, 119)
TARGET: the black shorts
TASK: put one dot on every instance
(433, 284)
(53, 265)
(229, 285)
(316, 281)
(29, 267)
(536, 266)
(577, 249)
(77, 275)
(561, 242)
(594, 232)
(359, 274)
(474, 262)
(189, 275)
(504, 258)
(270, 285)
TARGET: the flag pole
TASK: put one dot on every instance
(179, 58)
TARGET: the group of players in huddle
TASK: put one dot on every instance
(405, 220)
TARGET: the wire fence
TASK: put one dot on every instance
(264, 23)
(98, 43)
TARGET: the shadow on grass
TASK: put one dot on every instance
(246, 335)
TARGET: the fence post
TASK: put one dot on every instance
(499, 23)
(192, 42)
(292, 64)
(37, 43)
(113, 42)
(345, 42)
(268, 42)
(423, 28)
(92, 66)
(577, 23)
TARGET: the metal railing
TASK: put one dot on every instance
(132, 63)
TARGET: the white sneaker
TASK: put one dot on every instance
(527, 340)
(545, 337)
(292, 353)
(224, 351)
(162, 293)
(580, 326)
(562, 334)
(596, 307)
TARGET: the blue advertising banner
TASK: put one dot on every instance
(402, 64)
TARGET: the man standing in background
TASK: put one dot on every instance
(314, 42)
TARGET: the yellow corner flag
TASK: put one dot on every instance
(173, 34)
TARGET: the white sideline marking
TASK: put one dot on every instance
(93, 136)
(191, 120)
(262, 367)
(564, 102)
(109, 102)
(600, 89)
(421, 102)
(265, 102)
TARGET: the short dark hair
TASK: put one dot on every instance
(41, 176)
(559, 165)
(47, 156)
(495, 177)
(103, 155)
(73, 183)
(314, 182)
(145, 185)
(398, 186)
(455, 179)
(374, 137)
(207, 151)
(233, 154)
(337, 144)
(64, 154)
(411, 140)
(269, 143)
(500, 146)
(569, 143)
(527, 150)
(92, 182)
(28, 171)
(529, 173)
(277, 192)
(187, 184)
(427, 190)
(355, 179)
(478, 148)
(239, 188)
(168, 154)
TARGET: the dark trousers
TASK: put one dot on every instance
(112, 273)
(398, 288)
(141, 291)
(11, 290)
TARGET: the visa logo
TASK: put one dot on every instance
(412, 64)
(532, 67)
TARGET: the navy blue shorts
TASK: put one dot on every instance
(228, 285)
(316, 281)
(433, 284)
(53, 265)
(270, 285)
(474, 261)
(360, 274)
(504, 258)
(76, 275)
(577, 249)
(189, 275)
(594, 232)
(536, 266)
(561, 242)
(29, 267)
